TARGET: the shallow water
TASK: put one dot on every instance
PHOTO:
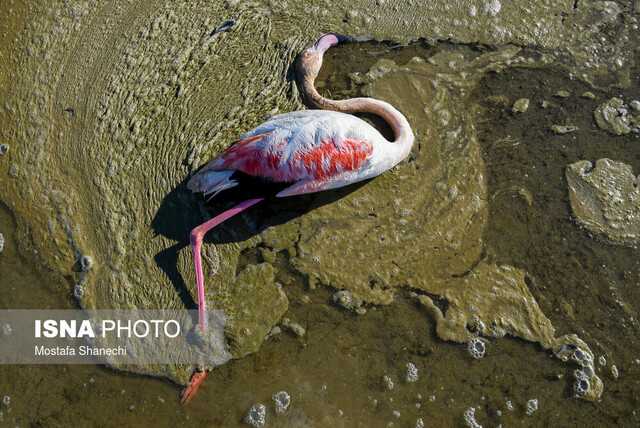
(489, 182)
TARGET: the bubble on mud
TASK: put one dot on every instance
(389, 382)
(1, 241)
(85, 263)
(77, 291)
(579, 374)
(582, 358)
(588, 371)
(282, 401)
(532, 406)
(593, 386)
(6, 400)
(6, 329)
(587, 385)
(613, 116)
(470, 419)
(256, 416)
(614, 372)
(419, 423)
(509, 405)
(602, 360)
(581, 386)
(3, 149)
(345, 299)
(412, 372)
(476, 347)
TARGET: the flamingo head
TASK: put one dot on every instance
(311, 60)
(325, 42)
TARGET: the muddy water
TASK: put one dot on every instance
(107, 109)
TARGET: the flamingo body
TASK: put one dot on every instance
(312, 149)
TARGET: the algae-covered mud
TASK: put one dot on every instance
(367, 304)
(606, 199)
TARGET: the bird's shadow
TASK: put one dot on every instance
(175, 218)
(180, 212)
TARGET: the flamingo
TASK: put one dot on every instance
(313, 150)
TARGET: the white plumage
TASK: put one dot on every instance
(313, 149)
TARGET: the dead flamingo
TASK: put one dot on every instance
(312, 149)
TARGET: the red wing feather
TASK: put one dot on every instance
(258, 156)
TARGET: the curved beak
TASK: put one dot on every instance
(342, 38)
(328, 40)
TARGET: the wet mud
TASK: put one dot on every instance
(108, 108)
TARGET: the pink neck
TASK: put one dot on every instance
(404, 136)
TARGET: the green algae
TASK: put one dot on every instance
(434, 241)
(605, 198)
(253, 290)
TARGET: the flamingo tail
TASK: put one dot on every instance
(196, 237)
(211, 182)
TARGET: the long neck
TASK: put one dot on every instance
(404, 136)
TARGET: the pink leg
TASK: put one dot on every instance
(196, 236)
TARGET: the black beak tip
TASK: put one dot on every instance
(343, 38)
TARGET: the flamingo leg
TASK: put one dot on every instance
(190, 390)
(196, 238)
